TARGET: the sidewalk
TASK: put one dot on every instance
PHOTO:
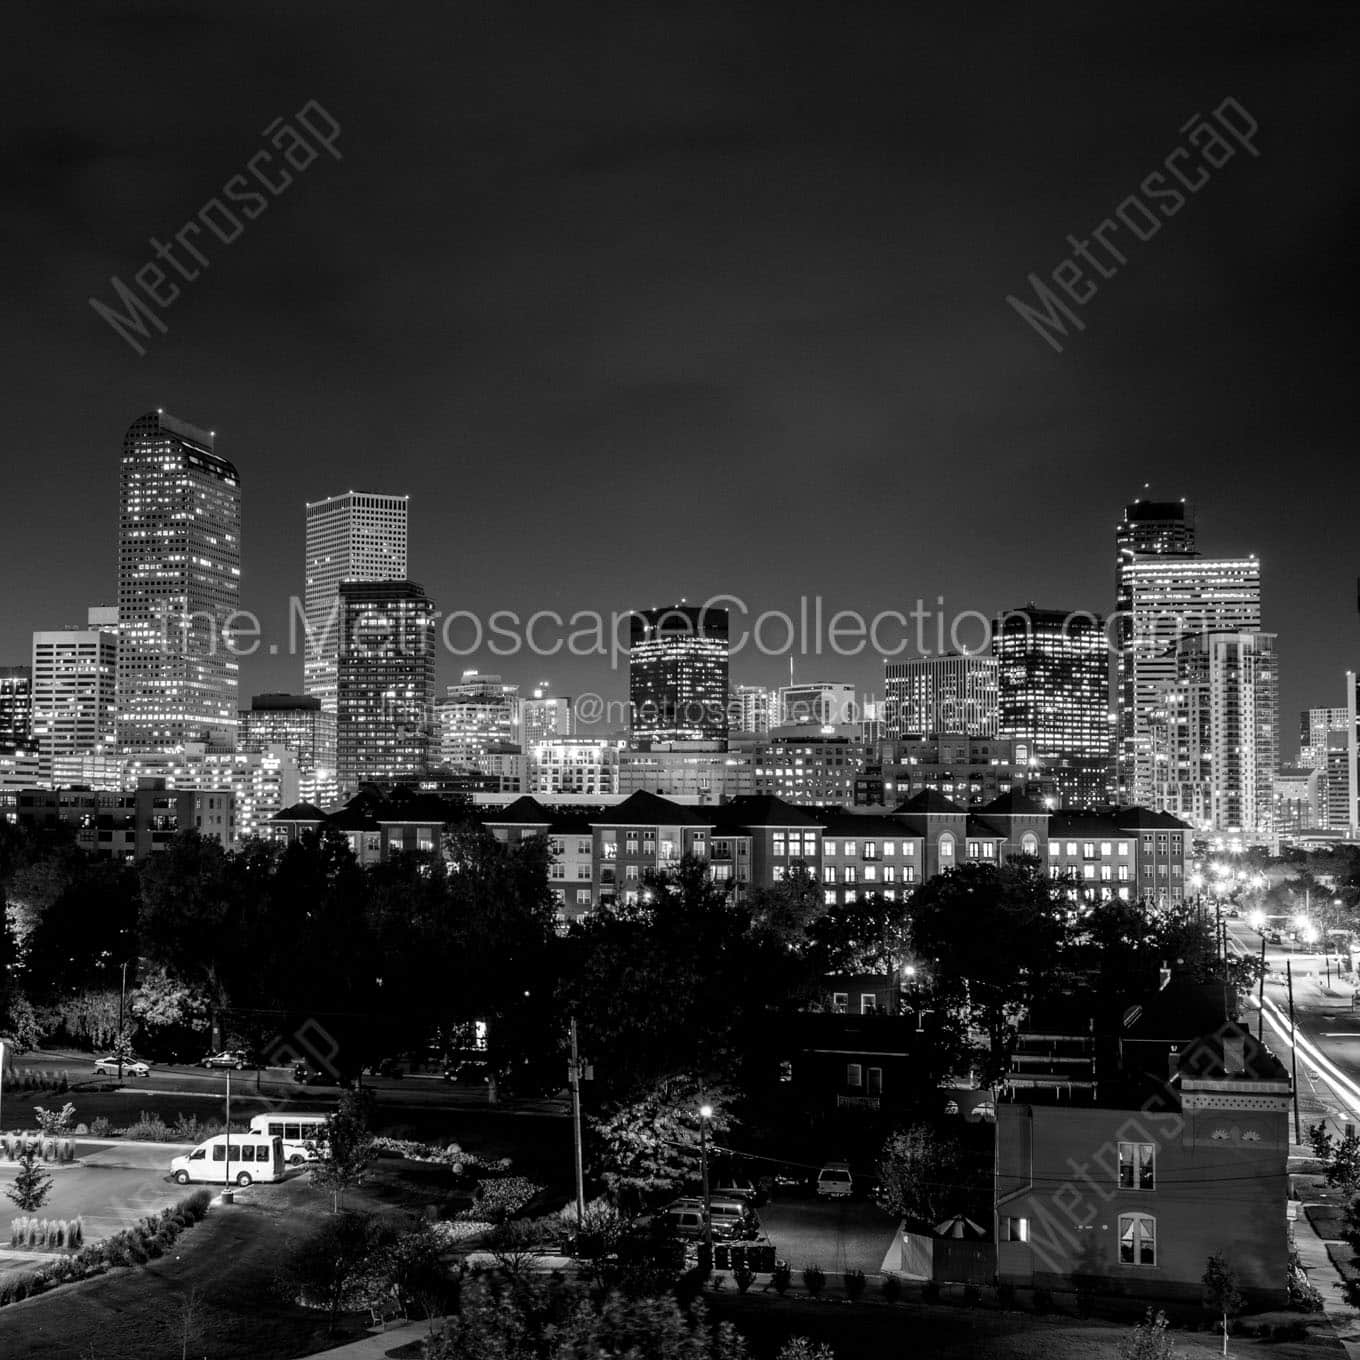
(375, 1347)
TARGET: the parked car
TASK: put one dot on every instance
(835, 1181)
(983, 1112)
(132, 1067)
(385, 1067)
(730, 1185)
(688, 1222)
(469, 1073)
(735, 1215)
(308, 1075)
(228, 1057)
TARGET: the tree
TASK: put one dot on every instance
(1148, 1339)
(918, 1174)
(1341, 1158)
(804, 1348)
(348, 1147)
(993, 936)
(32, 1185)
(649, 1148)
(333, 1269)
(1221, 1293)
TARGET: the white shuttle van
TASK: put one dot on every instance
(303, 1133)
(235, 1158)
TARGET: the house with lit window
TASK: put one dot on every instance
(1127, 1155)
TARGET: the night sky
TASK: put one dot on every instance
(644, 302)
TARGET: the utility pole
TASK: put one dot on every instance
(1261, 995)
(1293, 1052)
(705, 1114)
(574, 1081)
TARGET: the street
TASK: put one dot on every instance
(1328, 1027)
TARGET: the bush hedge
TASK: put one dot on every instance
(149, 1238)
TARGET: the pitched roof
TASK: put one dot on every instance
(983, 829)
(1016, 803)
(524, 811)
(650, 809)
(1144, 819)
(763, 809)
(845, 823)
(930, 803)
(300, 812)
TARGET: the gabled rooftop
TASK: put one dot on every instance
(650, 809)
(763, 809)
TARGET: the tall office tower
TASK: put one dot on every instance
(1166, 597)
(755, 709)
(1215, 735)
(179, 581)
(473, 717)
(1317, 727)
(385, 682)
(16, 708)
(75, 672)
(1053, 692)
(934, 695)
(677, 675)
(298, 724)
(822, 704)
(544, 717)
(357, 536)
(1148, 529)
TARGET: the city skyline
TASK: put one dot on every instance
(787, 267)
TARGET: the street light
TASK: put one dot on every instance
(705, 1114)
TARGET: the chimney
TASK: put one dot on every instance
(1235, 1054)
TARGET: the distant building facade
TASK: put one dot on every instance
(677, 675)
(928, 695)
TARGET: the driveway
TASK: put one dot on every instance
(835, 1234)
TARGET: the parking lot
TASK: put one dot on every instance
(836, 1234)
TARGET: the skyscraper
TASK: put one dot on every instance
(179, 581)
(385, 682)
(357, 536)
(16, 708)
(75, 686)
(545, 717)
(934, 695)
(1215, 735)
(677, 675)
(1317, 729)
(1053, 693)
(475, 715)
(755, 707)
(1173, 597)
(299, 725)
(823, 704)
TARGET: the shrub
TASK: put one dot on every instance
(194, 1207)
(892, 1288)
(100, 1127)
(854, 1283)
(77, 1231)
(780, 1277)
(814, 1280)
(15, 1287)
(743, 1277)
(187, 1129)
(718, 1281)
(148, 1128)
(500, 1199)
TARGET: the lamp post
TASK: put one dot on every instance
(705, 1114)
(122, 1003)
